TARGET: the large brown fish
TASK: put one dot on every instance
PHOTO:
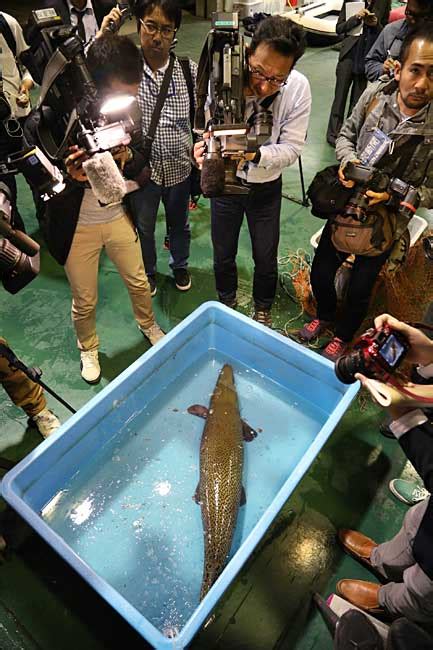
(220, 490)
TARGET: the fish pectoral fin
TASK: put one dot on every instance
(196, 496)
(248, 433)
(199, 410)
(243, 500)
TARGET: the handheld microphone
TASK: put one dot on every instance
(212, 176)
(105, 179)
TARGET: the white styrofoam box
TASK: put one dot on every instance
(246, 8)
(416, 227)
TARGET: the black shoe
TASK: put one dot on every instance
(182, 279)
(152, 283)
(385, 430)
(231, 302)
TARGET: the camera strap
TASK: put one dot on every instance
(186, 69)
(408, 149)
(150, 136)
(6, 32)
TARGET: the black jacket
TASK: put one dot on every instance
(100, 7)
(417, 444)
(380, 8)
(62, 211)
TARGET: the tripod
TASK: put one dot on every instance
(35, 375)
(304, 201)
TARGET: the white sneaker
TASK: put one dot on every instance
(46, 422)
(153, 333)
(90, 368)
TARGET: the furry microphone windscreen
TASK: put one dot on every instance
(105, 178)
(212, 177)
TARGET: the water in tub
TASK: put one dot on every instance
(129, 512)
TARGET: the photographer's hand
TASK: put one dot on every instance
(74, 164)
(377, 197)
(341, 177)
(199, 150)
(388, 66)
(370, 19)
(421, 347)
(395, 412)
(23, 98)
(115, 17)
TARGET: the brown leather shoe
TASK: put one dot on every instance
(364, 595)
(360, 547)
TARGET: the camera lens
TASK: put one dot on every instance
(348, 365)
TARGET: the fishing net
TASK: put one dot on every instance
(404, 287)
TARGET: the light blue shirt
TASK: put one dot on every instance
(291, 113)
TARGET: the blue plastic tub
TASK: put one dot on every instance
(112, 490)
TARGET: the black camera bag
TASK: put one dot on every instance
(327, 195)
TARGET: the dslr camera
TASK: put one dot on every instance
(19, 254)
(376, 354)
(222, 74)
(404, 196)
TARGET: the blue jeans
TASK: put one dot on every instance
(144, 204)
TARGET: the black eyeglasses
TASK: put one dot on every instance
(167, 33)
(272, 81)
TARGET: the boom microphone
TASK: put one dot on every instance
(212, 177)
(105, 179)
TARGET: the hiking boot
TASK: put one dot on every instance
(153, 333)
(90, 368)
(182, 279)
(335, 349)
(313, 330)
(408, 492)
(263, 316)
(152, 284)
(46, 422)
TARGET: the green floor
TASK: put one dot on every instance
(43, 603)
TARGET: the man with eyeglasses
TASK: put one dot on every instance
(170, 155)
(381, 59)
(276, 46)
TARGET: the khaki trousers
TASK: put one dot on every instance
(122, 246)
(24, 392)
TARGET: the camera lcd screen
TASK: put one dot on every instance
(392, 350)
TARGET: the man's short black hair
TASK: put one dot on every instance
(170, 8)
(282, 35)
(425, 33)
(114, 57)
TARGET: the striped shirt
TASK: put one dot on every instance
(171, 149)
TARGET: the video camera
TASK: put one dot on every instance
(222, 73)
(404, 196)
(69, 106)
(377, 354)
(19, 254)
